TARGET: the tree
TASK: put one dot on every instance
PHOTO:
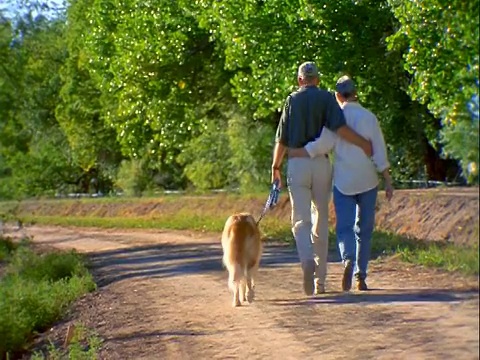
(153, 85)
(265, 41)
(158, 74)
(206, 158)
(443, 58)
(37, 157)
(79, 110)
(8, 79)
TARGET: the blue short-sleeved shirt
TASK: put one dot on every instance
(304, 115)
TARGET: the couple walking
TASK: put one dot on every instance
(314, 125)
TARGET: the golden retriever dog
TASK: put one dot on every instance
(242, 250)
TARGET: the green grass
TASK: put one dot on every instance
(443, 255)
(35, 292)
(84, 345)
(173, 222)
(7, 246)
(10, 206)
(447, 256)
(450, 257)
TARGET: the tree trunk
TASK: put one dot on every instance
(439, 169)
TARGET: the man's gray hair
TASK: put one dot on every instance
(308, 71)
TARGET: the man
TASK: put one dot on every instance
(309, 180)
(355, 182)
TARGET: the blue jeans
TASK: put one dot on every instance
(355, 222)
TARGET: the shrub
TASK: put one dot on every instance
(7, 246)
(132, 177)
(36, 291)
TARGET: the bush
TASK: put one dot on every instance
(251, 146)
(7, 246)
(132, 177)
(461, 142)
(28, 306)
(207, 166)
(236, 153)
(36, 291)
(52, 266)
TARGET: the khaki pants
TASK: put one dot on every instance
(309, 183)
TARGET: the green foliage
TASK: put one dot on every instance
(132, 177)
(79, 111)
(461, 259)
(84, 345)
(52, 266)
(151, 82)
(251, 146)
(156, 71)
(45, 168)
(206, 158)
(258, 42)
(264, 42)
(462, 142)
(35, 292)
(37, 157)
(7, 246)
(236, 154)
(442, 55)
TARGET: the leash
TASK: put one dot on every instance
(271, 201)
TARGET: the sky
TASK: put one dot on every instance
(10, 7)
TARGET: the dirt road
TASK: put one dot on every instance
(163, 295)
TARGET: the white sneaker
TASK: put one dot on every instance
(319, 289)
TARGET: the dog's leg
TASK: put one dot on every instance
(251, 276)
(243, 290)
(250, 290)
(236, 296)
(234, 285)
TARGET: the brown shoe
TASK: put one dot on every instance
(361, 285)
(319, 288)
(347, 276)
(308, 270)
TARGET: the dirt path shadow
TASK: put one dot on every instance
(163, 295)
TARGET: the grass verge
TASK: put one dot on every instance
(6, 248)
(443, 255)
(35, 291)
(84, 345)
(447, 256)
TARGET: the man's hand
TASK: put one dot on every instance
(277, 176)
(367, 148)
(278, 154)
(388, 190)
(298, 152)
